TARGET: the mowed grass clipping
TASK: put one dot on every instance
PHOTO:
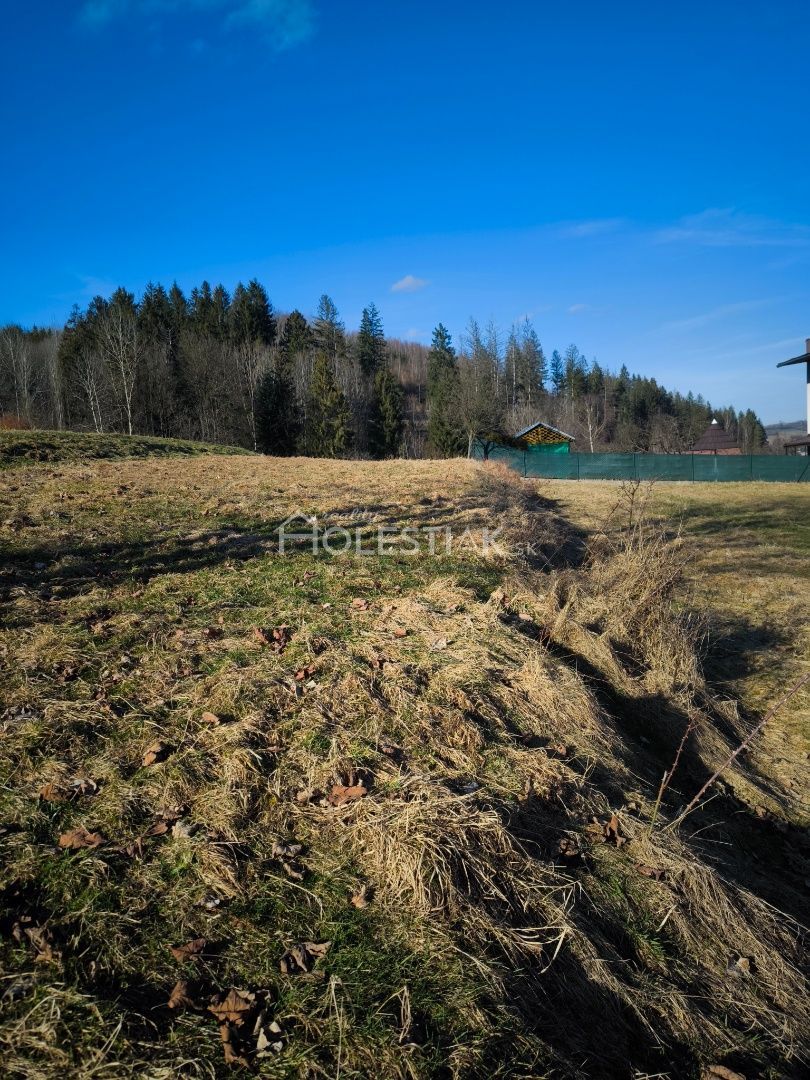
(369, 814)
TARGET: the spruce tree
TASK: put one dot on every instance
(328, 329)
(277, 417)
(444, 433)
(370, 344)
(557, 373)
(328, 431)
(386, 421)
(251, 316)
(296, 338)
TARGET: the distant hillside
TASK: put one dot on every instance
(786, 427)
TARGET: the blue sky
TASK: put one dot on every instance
(632, 176)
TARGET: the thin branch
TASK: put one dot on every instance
(690, 806)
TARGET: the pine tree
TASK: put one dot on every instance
(328, 429)
(385, 422)
(444, 433)
(370, 344)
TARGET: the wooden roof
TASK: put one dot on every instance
(540, 433)
(715, 437)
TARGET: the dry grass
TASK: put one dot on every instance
(490, 706)
(747, 574)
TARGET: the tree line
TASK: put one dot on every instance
(228, 368)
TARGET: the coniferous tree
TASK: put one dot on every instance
(386, 421)
(328, 329)
(557, 374)
(296, 337)
(370, 345)
(277, 418)
(329, 424)
(444, 433)
(251, 315)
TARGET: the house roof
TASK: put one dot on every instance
(715, 437)
(547, 428)
(804, 359)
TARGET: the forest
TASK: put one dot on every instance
(227, 368)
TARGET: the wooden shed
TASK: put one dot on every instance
(716, 440)
(544, 437)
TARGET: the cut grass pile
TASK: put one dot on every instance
(23, 447)
(379, 814)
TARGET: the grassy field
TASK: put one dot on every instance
(23, 447)
(748, 575)
(380, 812)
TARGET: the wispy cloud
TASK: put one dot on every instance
(730, 228)
(578, 309)
(409, 284)
(593, 227)
(717, 314)
(283, 23)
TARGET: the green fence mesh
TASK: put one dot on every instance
(698, 467)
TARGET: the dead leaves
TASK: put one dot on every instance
(75, 839)
(568, 849)
(191, 950)
(78, 787)
(155, 753)
(180, 997)
(277, 638)
(39, 936)
(233, 1007)
(247, 1032)
(609, 832)
(301, 957)
(359, 604)
(739, 966)
(342, 794)
(651, 872)
(362, 897)
(287, 855)
(720, 1072)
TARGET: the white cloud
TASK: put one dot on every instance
(409, 284)
(284, 23)
(577, 309)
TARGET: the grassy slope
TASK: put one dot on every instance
(492, 707)
(23, 447)
(749, 577)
